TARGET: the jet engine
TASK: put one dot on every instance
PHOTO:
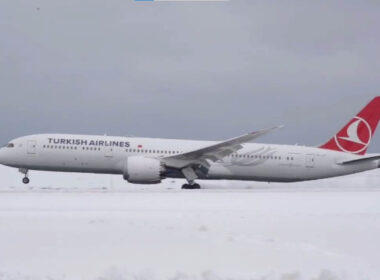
(143, 170)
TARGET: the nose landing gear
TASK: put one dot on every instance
(25, 180)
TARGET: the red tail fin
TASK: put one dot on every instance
(356, 136)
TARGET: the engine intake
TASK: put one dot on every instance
(143, 170)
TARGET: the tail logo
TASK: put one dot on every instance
(357, 136)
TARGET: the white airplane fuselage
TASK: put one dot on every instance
(108, 155)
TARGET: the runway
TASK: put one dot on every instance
(203, 234)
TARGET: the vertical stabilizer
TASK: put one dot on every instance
(356, 135)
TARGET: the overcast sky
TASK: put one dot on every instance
(187, 70)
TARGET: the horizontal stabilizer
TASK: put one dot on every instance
(363, 159)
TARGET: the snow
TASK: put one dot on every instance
(103, 228)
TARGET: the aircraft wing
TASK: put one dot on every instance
(214, 152)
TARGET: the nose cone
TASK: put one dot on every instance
(3, 156)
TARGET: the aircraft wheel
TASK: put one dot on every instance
(191, 187)
(196, 186)
(25, 180)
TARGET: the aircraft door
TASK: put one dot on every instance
(108, 152)
(31, 147)
(310, 161)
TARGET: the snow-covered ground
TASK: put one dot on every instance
(276, 231)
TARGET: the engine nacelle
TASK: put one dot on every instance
(143, 170)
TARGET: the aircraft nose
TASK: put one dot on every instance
(3, 156)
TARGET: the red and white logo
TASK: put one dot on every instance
(355, 137)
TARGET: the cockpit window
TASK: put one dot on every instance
(10, 145)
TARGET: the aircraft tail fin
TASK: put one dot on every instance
(356, 135)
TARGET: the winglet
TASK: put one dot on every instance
(258, 133)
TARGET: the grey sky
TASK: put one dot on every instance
(187, 70)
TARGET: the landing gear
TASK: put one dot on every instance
(190, 176)
(191, 186)
(25, 180)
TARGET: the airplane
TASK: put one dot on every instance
(150, 160)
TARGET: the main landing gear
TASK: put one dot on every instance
(25, 180)
(190, 176)
(191, 186)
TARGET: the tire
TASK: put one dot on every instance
(191, 187)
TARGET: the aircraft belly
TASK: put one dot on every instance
(275, 173)
(73, 162)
